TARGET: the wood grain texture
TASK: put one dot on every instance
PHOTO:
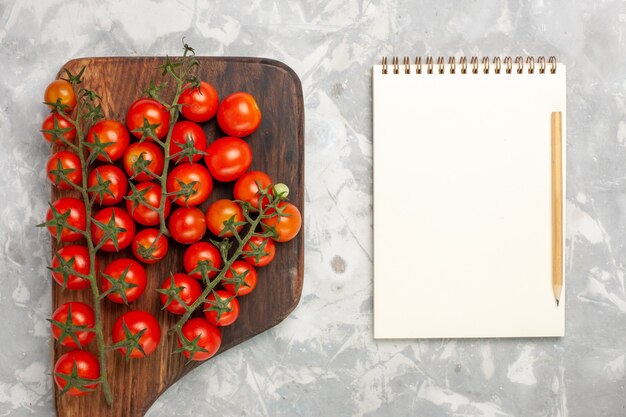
(278, 149)
(557, 204)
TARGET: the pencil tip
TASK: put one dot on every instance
(557, 302)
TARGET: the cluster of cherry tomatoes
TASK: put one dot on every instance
(131, 208)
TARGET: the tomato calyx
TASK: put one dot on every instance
(58, 133)
(59, 221)
(109, 231)
(74, 79)
(153, 91)
(186, 190)
(218, 304)
(237, 279)
(257, 251)
(130, 341)
(187, 151)
(119, 286)
(173, 294)
(97, 148)
(100, 189)
(138, 198)
(204, 268)
(231, 226)
(147, 252)
(148, 131)
(140, 165)
(69, 329)
(65, 268)
(58, 106)
(190, 346)
(73, 380)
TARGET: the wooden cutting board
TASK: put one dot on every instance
(278, 149)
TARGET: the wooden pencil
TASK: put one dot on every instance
(557, 205)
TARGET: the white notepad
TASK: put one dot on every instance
(462, 200)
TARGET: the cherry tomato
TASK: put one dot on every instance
(140, 212)
(222, 310)
(245, 281)
(116, 189)
(112, 132)
(152, 157)
(136, 321)
(221, 211)
(187, 288)
(151, 110)
(122, 219)
(135, 280)
(201, 251)
(199, 106)
(62, 123)
(80, 315)
(67, 162)
(146, 250)
(207, 337)
(78, 258)
(266, 244)
(76, 219)
(182, 177)
(182, 133)
(63, 90)
(289, 223)
(187, 225)
(228, 158)
(239, 115)
(86, 366)
(247, 187)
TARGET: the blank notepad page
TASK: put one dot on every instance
(462, 203)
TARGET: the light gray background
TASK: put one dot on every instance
(322, 360)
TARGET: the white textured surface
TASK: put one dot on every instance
(323, 360)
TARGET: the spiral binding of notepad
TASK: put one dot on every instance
(484, 65)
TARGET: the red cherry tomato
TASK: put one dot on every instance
(207, 337)
(140, 212)
(221, 310)
(80, 315)
(201, 251)
(62, 123)
(122, 219)
(221, 211)
(60, 90)
(134, 279)
(247, 187)
(182, 177)
(77, 218)
(151, 110)
(116, 189)
(143, 153)
(187, 288)
(187, 225)
(245, 281)
(239, 115)
(228, 158)
(266, 245)
(136, 321)
(182, 133)
(199, 106)
(112, 132)
(68, 163)
(146, 249)
(288, 226)
(78, 258)
(86, 366)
